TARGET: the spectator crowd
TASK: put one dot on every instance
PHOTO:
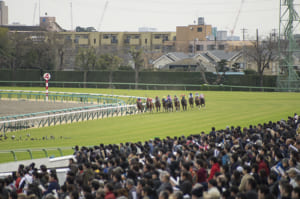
(261, 161)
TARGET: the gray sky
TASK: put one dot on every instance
(165, 15)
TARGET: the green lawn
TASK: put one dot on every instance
(223, 109)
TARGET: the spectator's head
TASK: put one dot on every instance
(74, 195)
(129, 183)
(163, 195)
(246, 169)
(233, 191)
(285, 188)
(263, 191)
(272, 178)
(164, 177)
(251, 184)
(212, 183)
(197, 191)
(176, 195)
(292, 173)
(100, 193)
(108, 187)
(296, 193)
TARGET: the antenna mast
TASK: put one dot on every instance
(71, 7)
(289, 21)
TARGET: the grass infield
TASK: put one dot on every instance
(222, 109)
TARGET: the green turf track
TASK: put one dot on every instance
(223, 109)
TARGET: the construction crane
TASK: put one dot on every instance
(102, 16)
(237, 18)
(33, 20)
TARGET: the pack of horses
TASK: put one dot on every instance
(166, 104)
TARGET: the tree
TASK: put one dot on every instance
(86, 58)
(110, 62)
(221, 68)
(262, 53)
(138, 61)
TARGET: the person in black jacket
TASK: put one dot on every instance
(186, 183)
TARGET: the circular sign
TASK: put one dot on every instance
(47, 76)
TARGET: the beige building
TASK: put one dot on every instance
(191, 33)
(3, 13)
(148, 41)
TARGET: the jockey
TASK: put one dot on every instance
(201, 96)
(191, 95)
(169, 98)
(157, 98)
(138, 99)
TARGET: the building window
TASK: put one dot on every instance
(146, 40)
(221, 47)
(199, 47)
(211, 47)
(95, 40)
(199, 29)
(157, 37)
(156, 47)
(136, 36)
(105, 36)
(85, 36)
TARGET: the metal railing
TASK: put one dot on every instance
(145, 86)
(45, 151)
(107, 106)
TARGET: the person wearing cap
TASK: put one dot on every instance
(292, 173)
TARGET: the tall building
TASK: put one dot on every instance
(3, 13)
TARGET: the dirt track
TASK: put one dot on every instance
(15, 107)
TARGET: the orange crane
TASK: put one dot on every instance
(237, 18)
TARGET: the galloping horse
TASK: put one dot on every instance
(183, 103)
(157, 104)
(191, 102)
(164, 104)
(169, 105)
(202, 100)
(197, 101)
(139, 105)
(149, 104)
(177, 104)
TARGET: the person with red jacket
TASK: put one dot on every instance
(215, 167)
(262, 164)
(108, 188)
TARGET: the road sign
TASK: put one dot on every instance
(47, 76)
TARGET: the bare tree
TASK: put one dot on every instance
(262, 53)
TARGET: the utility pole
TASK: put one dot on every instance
(71, 7)
(244, 30)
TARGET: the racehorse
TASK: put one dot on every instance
(149, 104)
(139, 106)
(176, 104)
(202, 101)
(169, 105)
(191, 102)
(164, 104)
(183, 103)
(197, 101)
(157, 104)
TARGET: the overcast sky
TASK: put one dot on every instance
(165, 15)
